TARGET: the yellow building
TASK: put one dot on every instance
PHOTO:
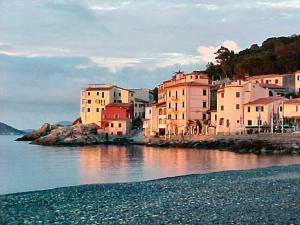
(292, 111)
(187, 98)
(94, 98)
(228, 117)
(261, 112)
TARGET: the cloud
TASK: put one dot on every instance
(293, 4)
(207, 52)
(108, 6)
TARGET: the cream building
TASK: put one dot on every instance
(155, 120)
(261, 112)
(94, 98)
(291, 110)
(228, 117)
(297, 82)
(187, 98)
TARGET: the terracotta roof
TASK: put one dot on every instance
(161, 104)
(264, 101)
(293, 101)
(192, 83)
(140, 100)
(98, 88)
(272, 86)
(267, 76)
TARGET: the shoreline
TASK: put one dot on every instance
(181, 199)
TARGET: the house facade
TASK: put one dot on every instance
(228, 118)
(187, 98)
(117, 118)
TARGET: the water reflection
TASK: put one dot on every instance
(25, 167)
(134, 163)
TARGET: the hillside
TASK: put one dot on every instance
(275, 55)
(8, 130)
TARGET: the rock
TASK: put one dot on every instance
(44, 130)
(71, 136)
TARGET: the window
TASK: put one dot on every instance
(222, 95)
(89, 93)
(97, 93)
(249, 109)
(280, 108)
(237, 106)
(112, 125)
(298, 77)
(119, 94)
(169, 116)
(249, 122)
(176, 94)
(204, 104)
(102, 94)
(116, 116)
(97, 109)
(276, 81)
(120, 125)
(88, 109)
(83, 101)
(204, 92)
(237, 94)
(175, 116)
(83, 109)
(169, 93)
(102, 109)
(176, 106)
(222, 107)
(150, 111)
(227, 123)
(257, 108)
(169, 105)
(182, 91)
(267, 81)
(296, 108)
(182, 104)
(89, 101)
(204, 116)
(183, 116)
(262, 108)
(237, 121)
(216, 117)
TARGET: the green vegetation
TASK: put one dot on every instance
(275, 55)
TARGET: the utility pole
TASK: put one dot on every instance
(272, 119)
(282, 117)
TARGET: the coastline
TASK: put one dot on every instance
(256, 196)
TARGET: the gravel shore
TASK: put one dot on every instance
(260, 196)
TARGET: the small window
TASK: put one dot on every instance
(97, 109)
(89, 101)
(222, 95)
(204, 116)
(280, 108)
(257, 108)
(119, 94)
(182, 104)
(88, 109)
(204, 104)
(262, 108)
(102, 94)
(298, 77)
(216, 117)
(227, 123)
(249, 122)
(89, 93)
(120, 125)
(276, 81)
(237, 121)
(237, 106)
(175, 116)
(97, 93)
(182, 91)
(183, 116)
(222, 107)
(204, 92)
(83, 109)
(249, 109)
(237, 94)
(169, 93)
(169, 105)
(296, 108)
(112, 125)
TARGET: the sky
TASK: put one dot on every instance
(49, 49)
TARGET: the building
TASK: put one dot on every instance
(297, 82)
(228, 117)
(262, 113)
(287, 81)
(117, 118)
(291, 111)
(155, 120)
(95, 97)
(187, 99)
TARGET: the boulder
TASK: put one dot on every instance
(44, 130)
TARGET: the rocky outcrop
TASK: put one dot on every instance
(72, 136)
(33, 135)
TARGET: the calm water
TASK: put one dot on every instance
(25, 167)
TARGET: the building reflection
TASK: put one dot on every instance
(106, 164)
